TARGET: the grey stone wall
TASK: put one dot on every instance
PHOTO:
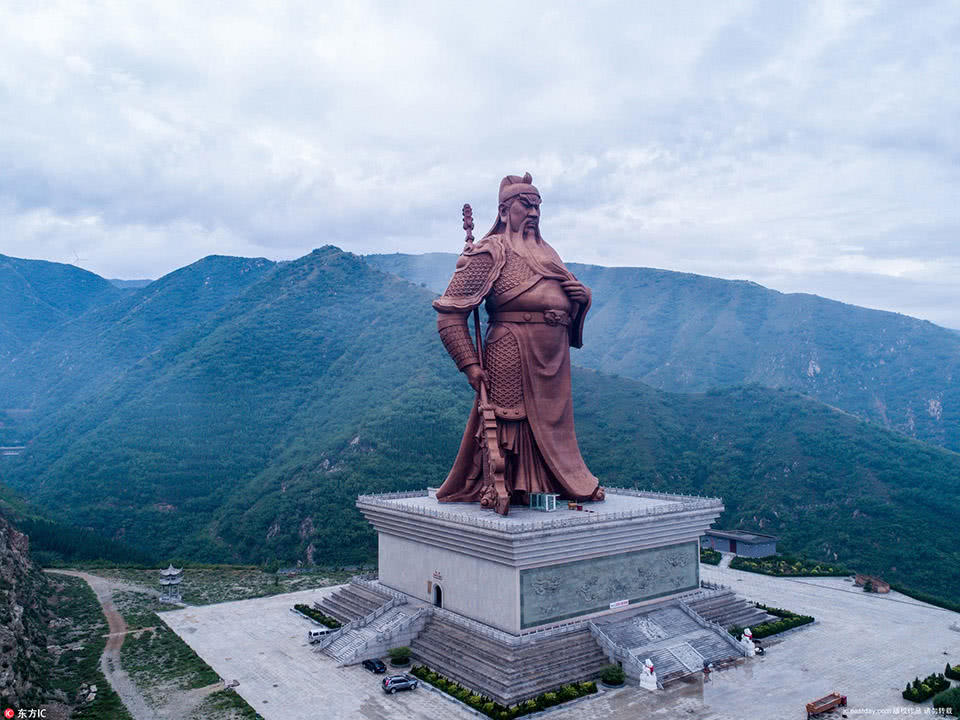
(558, 592)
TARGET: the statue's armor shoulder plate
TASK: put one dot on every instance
(478, 267)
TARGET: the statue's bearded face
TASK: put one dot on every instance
(523, 216)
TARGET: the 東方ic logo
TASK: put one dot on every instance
(8, 713)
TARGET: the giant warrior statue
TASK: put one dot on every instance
(520, 435)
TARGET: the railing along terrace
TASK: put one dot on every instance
(384, 638)
(711, 625)
(328, 640)
(370, 583)
(631, 665)
(690, 502)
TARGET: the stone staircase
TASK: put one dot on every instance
(507, 672)
(725, 608)
(349, 646)
(675, 638)
(351, 602)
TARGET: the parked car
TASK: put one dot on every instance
(316, 634)
(375, 665)
(399, 682)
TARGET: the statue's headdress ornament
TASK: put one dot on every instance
(513, 185)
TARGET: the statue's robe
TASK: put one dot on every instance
(528, 370)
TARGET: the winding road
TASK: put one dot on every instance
(180, 705)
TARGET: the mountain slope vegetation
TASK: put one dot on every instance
(247, 433)
(36, 295)
(690, 333)
(78, 357)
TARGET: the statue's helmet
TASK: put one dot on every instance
(510, 187)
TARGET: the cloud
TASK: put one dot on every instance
(799, 145)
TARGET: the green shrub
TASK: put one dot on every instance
(315, 614)
(613, 675)
(948, 700)
(952, 672)
(710, 556)
(495, 710)
(918, 691)
(784, 565)
(399, 655)
(788, 621)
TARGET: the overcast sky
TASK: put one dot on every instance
(806, 146)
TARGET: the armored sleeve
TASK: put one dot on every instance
(455, 334)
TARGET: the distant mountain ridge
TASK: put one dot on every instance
(36, 295)
(251, 402)
(130, 284)
(83, 354)
(691, 333)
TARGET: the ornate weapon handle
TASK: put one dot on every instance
(494, 494)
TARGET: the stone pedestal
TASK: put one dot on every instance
(531, 570)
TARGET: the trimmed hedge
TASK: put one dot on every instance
(787, 566)
(788, 620)
(927, 598)
(709, 556)
(948, 700)
(613, 675)
(399, 655)
(315, 614)
(920, 690)
(495, 710)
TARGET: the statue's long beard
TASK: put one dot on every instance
(541, 258)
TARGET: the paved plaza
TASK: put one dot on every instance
(864, 646)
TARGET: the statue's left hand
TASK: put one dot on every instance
(576, 291)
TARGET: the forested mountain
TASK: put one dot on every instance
(690, 333)
(36, 295)
(246, 433)
(78, 357)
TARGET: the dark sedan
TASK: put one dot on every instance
(399, 682)
(374, 665)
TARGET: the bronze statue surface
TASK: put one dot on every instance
(520, 436)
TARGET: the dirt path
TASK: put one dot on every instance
(181, 702)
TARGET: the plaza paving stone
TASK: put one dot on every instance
(864, 646)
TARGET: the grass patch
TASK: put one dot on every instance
(78, 642)
(209, 584)
(224, 704)
(160, 657)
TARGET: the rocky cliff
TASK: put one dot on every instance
(24, 617)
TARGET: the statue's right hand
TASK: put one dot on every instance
(474, 376)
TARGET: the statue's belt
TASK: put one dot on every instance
(549, 317)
